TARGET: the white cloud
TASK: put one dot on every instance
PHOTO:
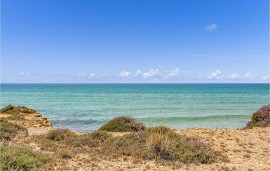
(174, 73)
(81, 75)
(22, 74)
(233, 76)
(217, 74)
(211, 27)
(91, 75)
(138, 73)
(249, 76)
(200, 77)
(266, 77)
(101, 75)
(150, 73)
(124, 74)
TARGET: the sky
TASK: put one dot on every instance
(135, 41)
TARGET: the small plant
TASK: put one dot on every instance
(9, 130)
(10, 109)
(123, 124)
(65, 154)
(94, 139)
(261, 118)
(60, 134)
(21, 159)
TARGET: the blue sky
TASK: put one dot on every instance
(134, 41)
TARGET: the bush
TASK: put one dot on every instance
(10, 109)
(65, 154)
(94, 139)
(123, 124)
(60, 134)
(21, 159)
(161, 143)
(261, 118)
(9, 130)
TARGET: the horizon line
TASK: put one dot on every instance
(143, 83)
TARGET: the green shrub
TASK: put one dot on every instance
(94, 139)
(161, 130)
(123, 124)
(9, 130)
(10, 109)
(21, 159)
(65, 154)
(59, 134)
(261, 118)
(161, 143)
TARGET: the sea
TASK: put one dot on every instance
(86, 107)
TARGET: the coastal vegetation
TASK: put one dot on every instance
(123, 124)
(261, 118)
(162, 144)
(19, 158)
(122, 138)
(59, 134)
(158, 143)
(16, 110)
(9, 130)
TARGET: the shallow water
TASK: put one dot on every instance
(85, 107)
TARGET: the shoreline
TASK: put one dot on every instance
(241, 147)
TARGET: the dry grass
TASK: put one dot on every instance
(65, 154)
(60, 134)
(9, 130)
(158, 143)
(161, 144)
(13, 158)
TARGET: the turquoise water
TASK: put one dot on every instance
(86, 107)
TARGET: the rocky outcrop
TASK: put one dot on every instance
(25, 117)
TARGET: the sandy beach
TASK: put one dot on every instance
(244, 149)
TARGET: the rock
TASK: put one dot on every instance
(37, 115)
(48, 125)
(25, 117)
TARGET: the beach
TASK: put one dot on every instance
(238, 149)
(134, 85)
